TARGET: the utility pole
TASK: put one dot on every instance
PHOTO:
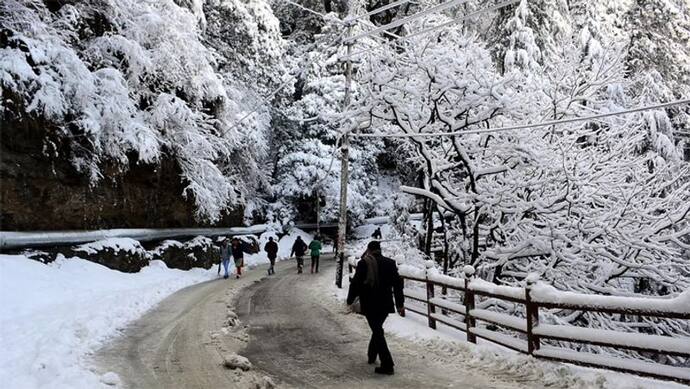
(318, 213)
(344, 167)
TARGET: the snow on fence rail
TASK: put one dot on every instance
(536, 296)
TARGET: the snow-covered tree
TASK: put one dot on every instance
(134, 82)
(590, 206)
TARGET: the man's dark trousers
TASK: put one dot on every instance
(377, 344)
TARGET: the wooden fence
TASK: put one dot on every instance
(532, 332)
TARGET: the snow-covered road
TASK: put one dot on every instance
(184, 341)
(296, 332)
(292, 330)
(302, 340)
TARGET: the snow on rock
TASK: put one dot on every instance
(198, 252)
(110, 378)
(122, 254)
(118, 244)
(235, 361)
(52, 316)
(232, 319)
(268, 382)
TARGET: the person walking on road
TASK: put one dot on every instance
(377, 233)
(271, 248)
(315, 248)
(225, 253)
(376, 282)
(298, 250)
(238, 248)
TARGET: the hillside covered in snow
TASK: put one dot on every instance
(227, 108)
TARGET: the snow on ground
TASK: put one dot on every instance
(491, 357)
(484, 355)
(52, 316)
(387, 184)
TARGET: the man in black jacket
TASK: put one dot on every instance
(271, 249)
(376, 282)
(298, 250)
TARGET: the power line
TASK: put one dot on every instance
(454, 21)
(380, 9)
(525, 126)
(400, 22)
(468, 16)
(309, 9)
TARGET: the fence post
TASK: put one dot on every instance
(444, 292)
(532, 313)
(402, 284)
(469, 304)
(431, 308)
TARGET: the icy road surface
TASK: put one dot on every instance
(302, 340)
(292, 330)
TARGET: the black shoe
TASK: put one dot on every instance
(371, 361)
(384, 370)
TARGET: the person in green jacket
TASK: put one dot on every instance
(315, 247)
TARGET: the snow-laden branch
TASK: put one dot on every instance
(428, 194)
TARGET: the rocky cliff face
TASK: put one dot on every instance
(41, 190)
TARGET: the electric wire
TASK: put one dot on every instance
(525, 126)
(400, 22)
(380, 9)
(446, 24)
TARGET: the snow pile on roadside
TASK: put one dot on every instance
(501, 362)
(52, 316)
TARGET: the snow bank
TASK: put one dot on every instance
(53, 315)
